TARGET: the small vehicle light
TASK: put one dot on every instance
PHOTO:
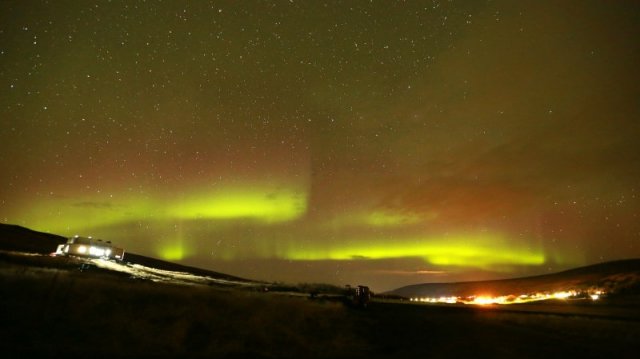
(96, 251)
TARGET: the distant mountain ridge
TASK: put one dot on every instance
(614, 276)
(21, 239)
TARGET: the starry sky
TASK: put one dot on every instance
(346, 142)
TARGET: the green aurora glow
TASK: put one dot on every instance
(277, 206)
(260, 203)
(336, 142)
(467, 251)
(173, 251)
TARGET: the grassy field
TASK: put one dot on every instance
(53, 311)
(60, 311)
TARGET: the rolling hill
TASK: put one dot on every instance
(20, 239)
(621, 276)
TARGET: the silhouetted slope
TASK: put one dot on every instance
(17, 238)
(160, 264)
(616, 276)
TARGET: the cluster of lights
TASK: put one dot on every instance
(510, 299)
(448, 300)
(99, 252)
(94, 251)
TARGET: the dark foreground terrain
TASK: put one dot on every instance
(57, 310)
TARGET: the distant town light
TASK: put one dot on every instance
(513, 298)
(562, 295)
(484, 300)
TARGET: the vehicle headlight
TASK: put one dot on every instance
(96, 251)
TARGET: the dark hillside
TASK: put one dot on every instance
(616, 276)
(17, 238)
(66, 313)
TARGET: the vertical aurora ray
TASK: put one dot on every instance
(173, 251)
(175, 247)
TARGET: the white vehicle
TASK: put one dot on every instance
(90, 247)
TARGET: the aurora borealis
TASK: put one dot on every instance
(363, 142)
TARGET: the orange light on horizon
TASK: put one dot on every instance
(486, 299)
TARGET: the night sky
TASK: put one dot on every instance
(380, 143)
